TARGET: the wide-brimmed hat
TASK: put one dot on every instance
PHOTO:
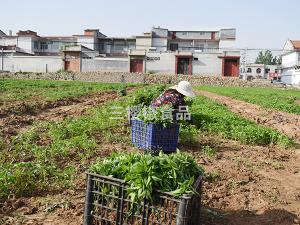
(185, 88)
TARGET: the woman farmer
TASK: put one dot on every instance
(174, 96)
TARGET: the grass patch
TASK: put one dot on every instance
(209, 151)
(273, 98)
(50, 90)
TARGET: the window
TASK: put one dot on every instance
(101, 46)
(36, 45)
(202, 33)
(44, 45)
(184, 33)
(173, 46)
(249, 70)
(258, 70)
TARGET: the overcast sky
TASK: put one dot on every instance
(259, 23)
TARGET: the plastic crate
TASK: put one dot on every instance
(154, 136)
(106, 205)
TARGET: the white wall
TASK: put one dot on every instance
(224, 44)
(143, 43)
(23, 42)
(32, 63)
(105, 64)
(253, 72)
(290, 76)
(161, 44)
(160, 62)
(8, 41)
(207, 64)
(289, 60)
(87, 41)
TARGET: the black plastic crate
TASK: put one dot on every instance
(106, 205)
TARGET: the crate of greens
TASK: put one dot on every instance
(135, 188)
(153, 130)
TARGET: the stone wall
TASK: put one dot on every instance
(118, 77)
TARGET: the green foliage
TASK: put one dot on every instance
(45, 157)
(156, 115)
(122, 91)
(273, 98)
(212, 117)
(209, 151)
(188, 133)
(146, 95)
(62, 71)
(266, 58)
(146, 174)
(212, 176)
(25, 178)
(49, 90)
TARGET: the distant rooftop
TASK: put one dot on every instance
(296, 44)
(194, 29)
(2, 33)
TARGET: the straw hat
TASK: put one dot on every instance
(185, 88)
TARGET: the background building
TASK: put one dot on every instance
(259, 71)
(291, 63)
(176, 51)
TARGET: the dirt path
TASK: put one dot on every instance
(286, 123)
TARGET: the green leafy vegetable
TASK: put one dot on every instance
(161, 115)
(145, 174)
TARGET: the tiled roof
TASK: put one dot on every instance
(296, 44)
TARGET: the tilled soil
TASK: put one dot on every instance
(286, 123)
(19, 116)
(249, 185)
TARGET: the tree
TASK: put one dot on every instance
(279, 60)
(266, 58)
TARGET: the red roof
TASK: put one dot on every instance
(296, 44)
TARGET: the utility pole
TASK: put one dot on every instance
(244, 62)
(2, 59)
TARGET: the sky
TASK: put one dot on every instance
(259, 23)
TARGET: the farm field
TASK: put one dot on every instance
(287, 100)
(252, 171)
(12, 90)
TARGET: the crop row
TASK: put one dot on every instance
(274, 98)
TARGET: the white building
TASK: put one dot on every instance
(174, 51)
(259, 71)
(290, 71)
(186, 51)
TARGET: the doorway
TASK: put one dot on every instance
(136, 65)
(231, 67)
(184, 65)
